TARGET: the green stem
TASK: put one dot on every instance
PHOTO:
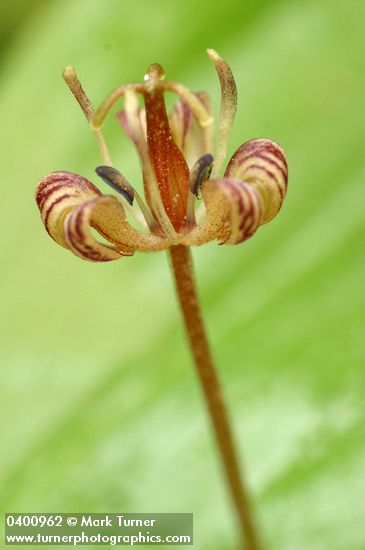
(186, 290)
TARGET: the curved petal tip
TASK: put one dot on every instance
(68, 204)
(262, 164)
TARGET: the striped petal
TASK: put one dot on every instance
(193, 139)
(70, 206)
(57, 194)
(262, 164)
(234, 211)
(76, 229)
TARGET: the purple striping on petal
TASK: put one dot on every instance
(260, 210)
(242, 227)
(238, 198)
(246, 221)
(63, 179)
(245, 191)
(246, 204)
(253, 214)
(46, 189)
(44, 194)
(268, 146)
(260, 155)
(54, 203)
(271, 175)
(84, 249)
(77, 222)
(247, 211)
(247, 229)
(250, 210)
(96, 255)
(51, 180)
(78, 244)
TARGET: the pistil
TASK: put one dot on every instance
(172, 172)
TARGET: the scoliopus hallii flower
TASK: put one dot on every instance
(179, 169)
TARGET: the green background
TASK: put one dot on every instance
(100, 408)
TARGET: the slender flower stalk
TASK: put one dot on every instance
(178, 170)
(186, 290)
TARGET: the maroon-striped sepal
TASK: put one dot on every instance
(234, 208)
(261, 163)
(70, 205)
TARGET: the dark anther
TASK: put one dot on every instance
(117, 181)
(199, 173)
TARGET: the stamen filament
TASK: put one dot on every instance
(103, 148)
(151, 222)
(70, 77)
(228, 108)
(99, 116)
(72, 81)
(190, 210)
(199, 111)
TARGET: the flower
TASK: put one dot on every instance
(178, 169)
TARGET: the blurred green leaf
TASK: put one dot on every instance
(101, 410)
